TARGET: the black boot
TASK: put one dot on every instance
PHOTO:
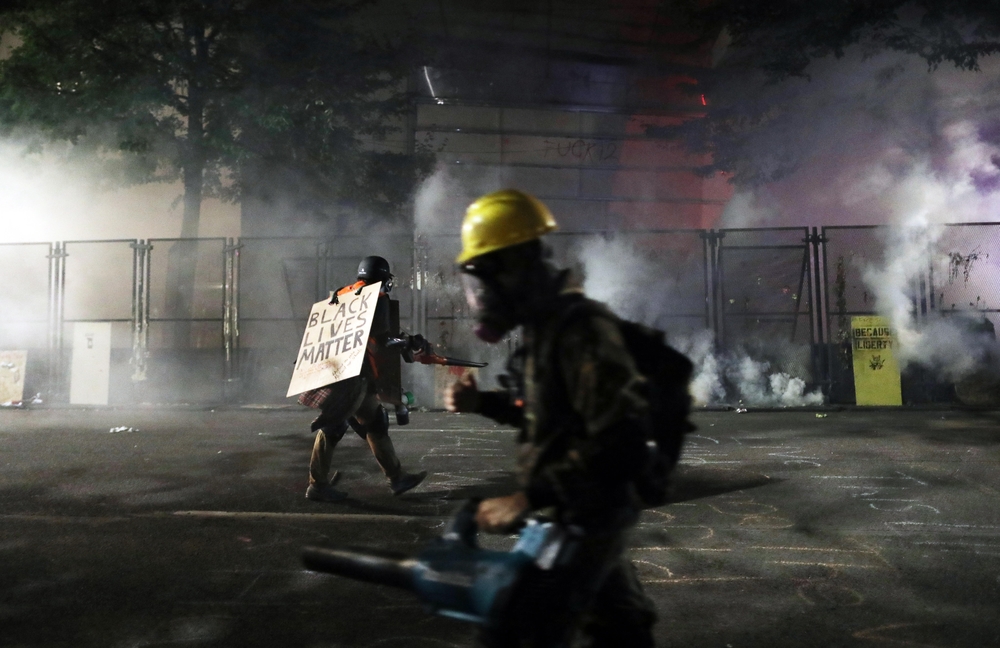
(405, 481)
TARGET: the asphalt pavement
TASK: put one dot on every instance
(793, 528)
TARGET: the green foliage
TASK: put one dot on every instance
(749, 128)
(234, 97)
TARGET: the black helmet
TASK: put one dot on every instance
(375, 268)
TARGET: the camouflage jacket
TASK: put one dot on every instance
(580, 404)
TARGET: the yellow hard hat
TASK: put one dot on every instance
(503, 219)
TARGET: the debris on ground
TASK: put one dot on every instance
(18, 404)
(122, 428)
(740, 410)
(821, 415)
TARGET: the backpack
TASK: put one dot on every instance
(668, 375)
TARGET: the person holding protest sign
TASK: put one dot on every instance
(353, 402)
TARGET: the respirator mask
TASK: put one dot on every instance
(491, 293)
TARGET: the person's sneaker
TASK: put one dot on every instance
(326, 492)
(406, 481)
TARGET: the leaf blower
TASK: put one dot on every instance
(455, 577)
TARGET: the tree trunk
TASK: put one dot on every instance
(182, 260)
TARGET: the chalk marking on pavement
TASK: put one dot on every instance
(875, 551)
(691, 581)
(822, 564)
(885, 499)
(250, 586)
(350, 517)
(481, 454)
(767, 548)
(905, 508)
(862, 477)
(947, 526)
(678, 549)
(871, 487)
(701, 462)
(961, 544)
(670, 574)
(874, 634)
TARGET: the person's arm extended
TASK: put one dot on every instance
(464, 396)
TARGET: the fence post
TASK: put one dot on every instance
(818, 307)
(713, 282)
(57, 305)
(418, 292)
(232, 387)
(140, 309)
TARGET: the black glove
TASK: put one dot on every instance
(418, 344)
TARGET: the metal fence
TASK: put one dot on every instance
(213, 320)
(953, 271)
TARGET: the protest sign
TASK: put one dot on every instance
(12, 365)
(876, 371)
(334, 342)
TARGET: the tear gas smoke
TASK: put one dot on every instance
(43, 198)
(918, 246)
(439, 206)
(648, 286)
(442, 198)
(882, 141)
(619, 274)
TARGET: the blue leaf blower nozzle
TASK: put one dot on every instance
(453, 576)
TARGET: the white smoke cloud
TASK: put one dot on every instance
(889, 143)
(441, 199)
(439, 207)
(617, 273)
(924, 202)
(43, 198)
(750, 382)
(706, 384)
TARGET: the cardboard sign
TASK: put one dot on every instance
(334, 342)
(12, 364)
(876, 372)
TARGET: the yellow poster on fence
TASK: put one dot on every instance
(876, 372)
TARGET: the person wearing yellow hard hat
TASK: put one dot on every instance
(503, 260)
(579, 401)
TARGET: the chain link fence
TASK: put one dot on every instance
(213, 320)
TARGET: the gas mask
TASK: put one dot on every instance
(492, 304)
(502, 288)
(496, 289)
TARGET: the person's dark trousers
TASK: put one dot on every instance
(352, 398)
